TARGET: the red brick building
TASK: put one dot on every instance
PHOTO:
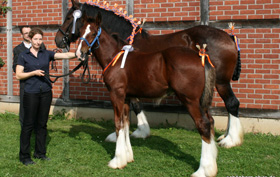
(257, 27)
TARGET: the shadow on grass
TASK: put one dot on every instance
(153, 142)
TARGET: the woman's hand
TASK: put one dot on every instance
(21, 75)
(39, 72)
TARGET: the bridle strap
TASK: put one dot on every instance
(96, 39)
(65, 38)
(82, 63)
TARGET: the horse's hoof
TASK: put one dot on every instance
(143, 131)
(115, 164)
(221, 137)
(201, 173)
(129, 156)
(198, 173)
(111, 138)
(234, 134)
(229, 142)
(138, 134)
(130, 160)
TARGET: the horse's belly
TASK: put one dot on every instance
(154, 90)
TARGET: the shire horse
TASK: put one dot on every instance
(221, 48)
(176, 70)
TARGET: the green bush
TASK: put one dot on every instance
(2, 63)
(3, 8)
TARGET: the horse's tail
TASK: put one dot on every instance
(207, 96)
(237, 69)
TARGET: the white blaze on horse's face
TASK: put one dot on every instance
(78, 51)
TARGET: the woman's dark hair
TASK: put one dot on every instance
(35, 31)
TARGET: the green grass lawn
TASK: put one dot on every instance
(77, 148)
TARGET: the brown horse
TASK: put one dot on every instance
(221, 48)
(175, 70)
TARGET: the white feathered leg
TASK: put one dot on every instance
(143, 129)
(128, 144)
(234, 134)
(208, 164)
(120, 159)
(111, 138)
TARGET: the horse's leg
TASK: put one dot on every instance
(120, 159)
(143, 128)
(209, 116)
(205, 126)
(126, 130)
(234, 133)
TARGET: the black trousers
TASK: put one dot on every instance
(21, 110)
(36, 113)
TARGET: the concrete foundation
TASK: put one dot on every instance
(255, 125)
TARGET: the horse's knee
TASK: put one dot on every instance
(204, 128)
(212, 121)
(231, 102)
(210, 118)
(137, 107)
(126, 113)
(232, 106)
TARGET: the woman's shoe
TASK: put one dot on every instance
(27, 162)
(42, 157)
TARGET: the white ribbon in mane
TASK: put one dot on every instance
(126, 48)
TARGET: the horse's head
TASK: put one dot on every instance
(90, 34)
(69, 32)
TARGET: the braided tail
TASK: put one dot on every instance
(237, 69)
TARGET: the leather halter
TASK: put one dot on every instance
(96, 39)
(65, 38)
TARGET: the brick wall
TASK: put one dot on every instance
(167, 10)
(36, 12)
(258, 86)
(244, 9)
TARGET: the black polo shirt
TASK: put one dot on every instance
(36, 84)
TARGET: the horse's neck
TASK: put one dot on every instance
(111, 21)
(107, 49)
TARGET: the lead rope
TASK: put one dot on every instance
(82, 63)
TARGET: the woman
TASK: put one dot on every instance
(31, 67)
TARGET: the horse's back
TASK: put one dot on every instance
(220, 47)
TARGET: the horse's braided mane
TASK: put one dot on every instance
(114, 35)
(114, 20)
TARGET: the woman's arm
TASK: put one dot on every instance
(21, 75)
(67, 55)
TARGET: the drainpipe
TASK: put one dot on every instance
(204, 12)
(65, 65)
(9, 49)
(130, 7)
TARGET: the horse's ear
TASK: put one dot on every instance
(75, 4)
(98, 19)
